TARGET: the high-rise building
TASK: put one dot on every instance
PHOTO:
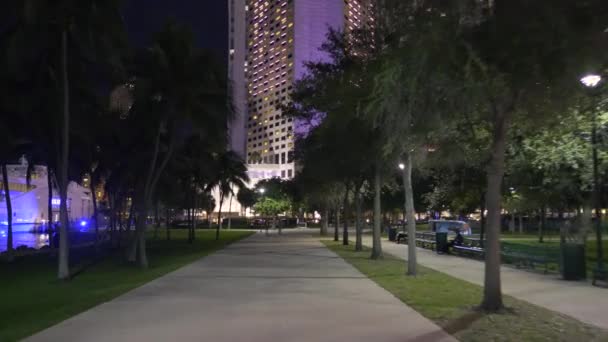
(279, 37)
(236, 74)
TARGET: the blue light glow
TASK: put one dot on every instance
(83, 223)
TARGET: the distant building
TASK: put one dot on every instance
(281, 36)
(30, 204)
(236, 74)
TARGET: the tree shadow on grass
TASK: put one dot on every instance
(472, 315)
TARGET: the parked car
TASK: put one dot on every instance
(450, 226)
(258, 223)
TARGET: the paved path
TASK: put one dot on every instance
(576, 299)
(261, 289)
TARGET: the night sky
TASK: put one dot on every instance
(207, 18)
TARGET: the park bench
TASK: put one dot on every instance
(423, 239)
(471, 248)
(529, 257)
(467, 251)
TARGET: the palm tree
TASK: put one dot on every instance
(48, 34)
(177, 88)
(231, 173)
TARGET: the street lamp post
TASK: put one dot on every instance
(592, 81)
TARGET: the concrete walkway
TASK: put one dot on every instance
(288, 288)
(579, 299)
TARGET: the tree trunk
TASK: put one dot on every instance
(377, 243)
(63, 272)
(189, 220)
(195, 204)
(345, 219)
(411, 216)
(119, 215)
(230, 213)
(541, 226)
(157, 219)
(219, 218)
(325, 222)
(483, 221)
(167, 220)
(94, 199)
(132, 253)
(9, 214)
(521, 224)
(49, 203)
(512, 222)
(492, 296)
(130, 217)
(337, 224)
(140, 234)
(358, 223)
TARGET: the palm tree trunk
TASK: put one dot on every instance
(132, 255)
(140, 234)
(9, 214)
(521, 224)
(167, 220)
(411, 215)
(94, 199)
(157, 220)
(194, 217)
(112, 204)
(345, 218)
(337, 224)
(219, 219)
(119, 202)
(483, 220)
(325, 222)
(230, 213)
(63, 272)
(358, 222)
(376, 242)
(492, 294)
(49, 203)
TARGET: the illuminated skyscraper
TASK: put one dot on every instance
(281, 35)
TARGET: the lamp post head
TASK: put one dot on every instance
(402, 166)
(591, 80)
(262, 191)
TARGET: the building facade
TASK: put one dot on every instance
(30, 202)
(280, 37)
(236, 74)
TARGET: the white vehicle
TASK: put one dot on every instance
(447, 226)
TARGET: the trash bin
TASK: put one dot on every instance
(573, 265)
(392, 234)
(442, 242)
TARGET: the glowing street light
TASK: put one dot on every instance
(591, 81)
(262, 191)
(402, 166)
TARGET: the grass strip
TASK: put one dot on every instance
(451, 303)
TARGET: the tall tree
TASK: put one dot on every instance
(177, 89)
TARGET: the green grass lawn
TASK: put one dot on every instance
(451, 303)
(590, 253)
(32, 299)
